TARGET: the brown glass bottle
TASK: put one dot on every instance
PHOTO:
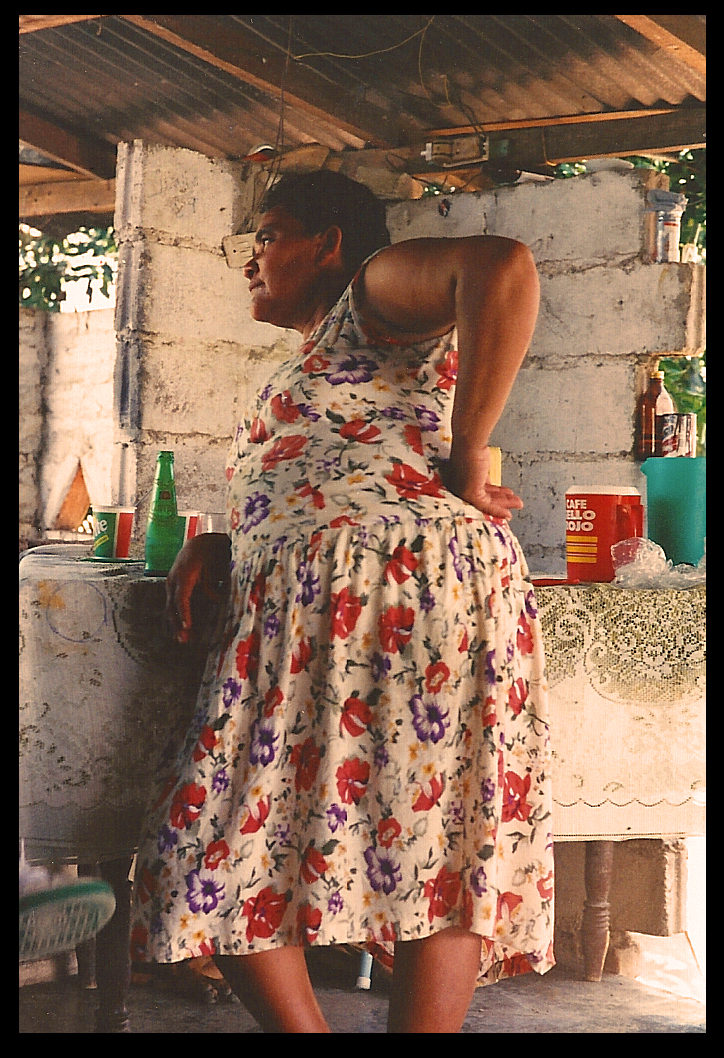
(654, 407)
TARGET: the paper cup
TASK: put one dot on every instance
(112, 528)
(188, 525)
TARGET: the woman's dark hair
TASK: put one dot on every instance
(324, 198)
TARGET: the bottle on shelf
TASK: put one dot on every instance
(656, 420)
(162, 532)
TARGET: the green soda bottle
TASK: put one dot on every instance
(162, 532)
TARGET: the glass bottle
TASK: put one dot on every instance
(162, 531)
(655, 420)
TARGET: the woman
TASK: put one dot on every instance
(369, 760)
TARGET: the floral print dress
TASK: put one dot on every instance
(369, 760)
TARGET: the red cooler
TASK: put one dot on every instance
(597, 517)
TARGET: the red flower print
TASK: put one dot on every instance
(256, 594)
(435, 676)
(186, 805)
(258, 432)
(283, 407)
(413, 436)
(264, 913)
(317, 496)
(216, 852)
(352, 779)
(283, 448)
(504, 574)
(448, 370)
(360, 430)
(517, 695)
(401, 566)
(346, 609)
(356, 717)
(305, 759)
(207, 947)
(545, 886)
(313, 865)
(272, 699)
(515, 805)
(342, 520)
(309, 919)
(525, 636)
(410, 483)
(247, 656)
(255, 817)
(207, 741)
(146, 886)
(395, 628)
(301, 657)
(387, 831)
(507, 903)
(442, 892)
(463, 648)
(429, 795)
(490, 717)
(315, 364)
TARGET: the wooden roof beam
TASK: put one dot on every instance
(91, 157)
(242, 54)
(31, 23)
(68, 196)
(682, 36)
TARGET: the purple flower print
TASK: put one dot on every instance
(353, 369)
(490, 666)
(220, 781)
(379, 666)
(458, 561)
(427, 419)
(530, 604)
(478, 881)
(256, 509)
(203, 892)
(282, 834)
(272, 626)
(335, 903)
(263, 739)
(428, 719)
(336, 817)
(394, 413)
(427, 601)
(382, 757)
(383, 871)
(167, 839)
(231, 691)
(308, 412)
(266, 392)
(309, 584)
(487, 790)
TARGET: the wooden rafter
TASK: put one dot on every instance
(31, 23)
(91, 157)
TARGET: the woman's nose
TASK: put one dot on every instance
(251, 267)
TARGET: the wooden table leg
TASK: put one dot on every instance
(113, 952)
(599, 870)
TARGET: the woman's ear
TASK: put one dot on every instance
(329, 253)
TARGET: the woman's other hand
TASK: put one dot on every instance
(204, 563)
(468, 478)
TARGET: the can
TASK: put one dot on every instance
(666, 440)
(686, 435)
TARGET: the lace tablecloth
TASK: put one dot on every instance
(102, 686)
(626, 673)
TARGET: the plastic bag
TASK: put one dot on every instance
(641, 563)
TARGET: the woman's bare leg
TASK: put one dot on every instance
(433, 981)
(275, 988)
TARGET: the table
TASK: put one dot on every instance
(102, 687)
(627, 683)
(102, 684)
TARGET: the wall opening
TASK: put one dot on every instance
(74, 510)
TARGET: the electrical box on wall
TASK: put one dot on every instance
(450, 152)
(238, 249)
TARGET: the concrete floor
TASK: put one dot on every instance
(554, 1003)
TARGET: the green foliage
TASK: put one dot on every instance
(48, 263)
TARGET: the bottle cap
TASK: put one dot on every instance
(656, 374)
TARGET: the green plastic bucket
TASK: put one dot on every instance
(676, 506)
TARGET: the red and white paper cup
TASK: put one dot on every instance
(188, 525)
(112, 531)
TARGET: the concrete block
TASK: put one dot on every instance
(654, 309)
(582, 407)
(176, 192)
(190, 386)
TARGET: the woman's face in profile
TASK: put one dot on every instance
(283, 271)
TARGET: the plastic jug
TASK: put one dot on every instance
(597, 517)
(676, 506)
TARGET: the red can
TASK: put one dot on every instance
(597, 517)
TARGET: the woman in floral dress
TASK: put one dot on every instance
(369, 760)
